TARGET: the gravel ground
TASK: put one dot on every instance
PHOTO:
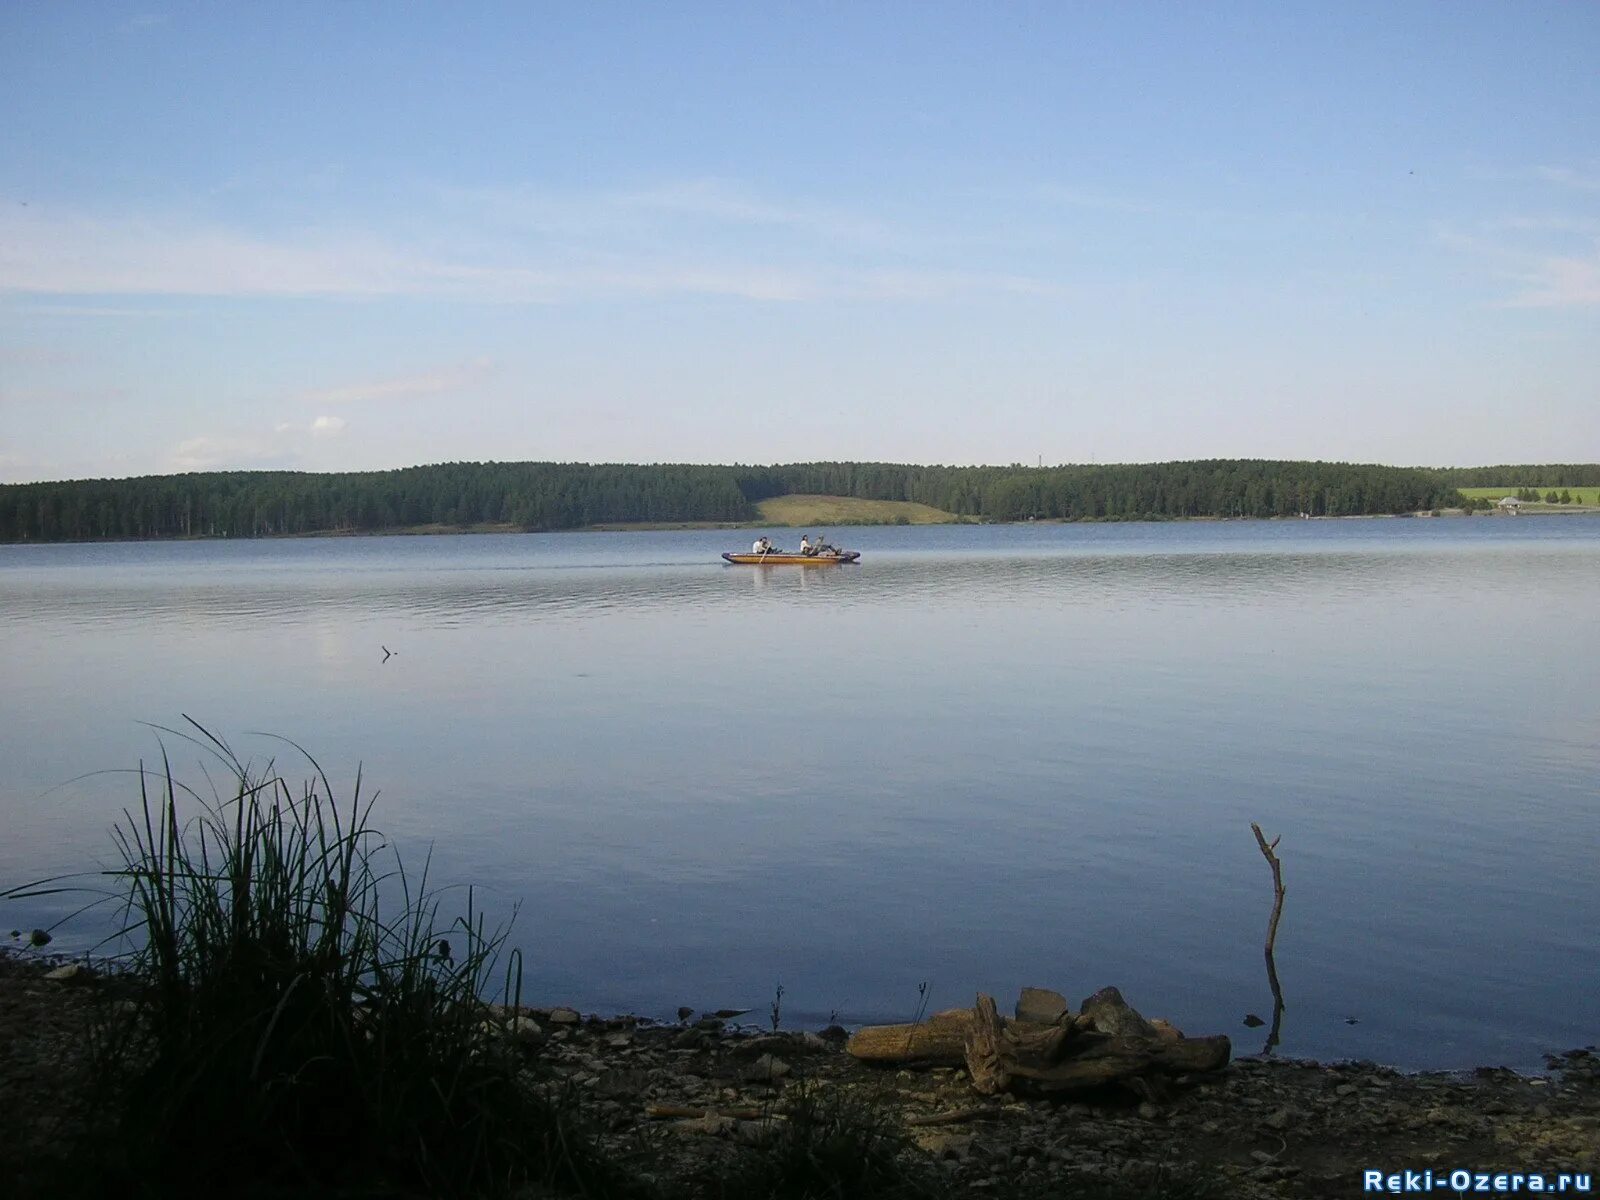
(673, 1100)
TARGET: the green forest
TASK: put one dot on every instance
(546, 496)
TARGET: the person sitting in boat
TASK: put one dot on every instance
(805, 545)
(763, 545)
(823, 547)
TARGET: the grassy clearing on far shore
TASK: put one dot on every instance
(1580, 495)
(847, 510)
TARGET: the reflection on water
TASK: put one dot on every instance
(986, 757)
(459, 596)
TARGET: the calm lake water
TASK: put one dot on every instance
(984, 757)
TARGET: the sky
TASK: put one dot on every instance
(355, 236)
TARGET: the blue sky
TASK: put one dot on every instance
(353, 236)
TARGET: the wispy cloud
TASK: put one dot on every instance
(720, 202)
(1538, 276)
(317, 427)
(40, 356)
(74, 254)
(426, 383)
(1548, 259)
(1560, 282)
(1582, 226)
(59, 397)
(228, 452)
(679, 212)
(1091, 198)
(285, 446)
(1583, 181)
(90, 310)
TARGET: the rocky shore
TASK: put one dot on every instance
(1270, 1128)
(682, 1101)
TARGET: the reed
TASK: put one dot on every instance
(307, 1018)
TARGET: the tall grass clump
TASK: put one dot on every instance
(831, 1144)
(307, 1023)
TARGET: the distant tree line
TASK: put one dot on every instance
(268, 503)
(1526, 475)
(1532, 496)
(1212, 488)
(541, 496)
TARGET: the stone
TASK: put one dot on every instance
(564, 1016)
(39, 937)
(766, 1069)
(620, 1082)
(1041, 1006)
(62, 974)
(943, 1143)
(1109, 1013)
(1252, 1021)
(524, 1029)
(1279, 1119)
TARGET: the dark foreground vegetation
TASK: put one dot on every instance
(543, 496)
(292, 1017)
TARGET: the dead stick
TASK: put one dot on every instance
(954, 1117)
(1272, 933)
(1277, 882)
(1277, 1005)
(669, 1112)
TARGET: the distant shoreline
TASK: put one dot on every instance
(498, 497)
(685, 526)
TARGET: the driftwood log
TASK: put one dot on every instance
(1106, 1042)
(941, 1040)
(1001, 1059)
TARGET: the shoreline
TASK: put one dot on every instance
(676, 1101)
(688, 526)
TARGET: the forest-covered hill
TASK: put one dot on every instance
(572, 495)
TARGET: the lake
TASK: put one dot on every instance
(984, 757)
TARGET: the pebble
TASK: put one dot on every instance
(1279, 1119)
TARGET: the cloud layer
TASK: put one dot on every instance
(678, 239)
